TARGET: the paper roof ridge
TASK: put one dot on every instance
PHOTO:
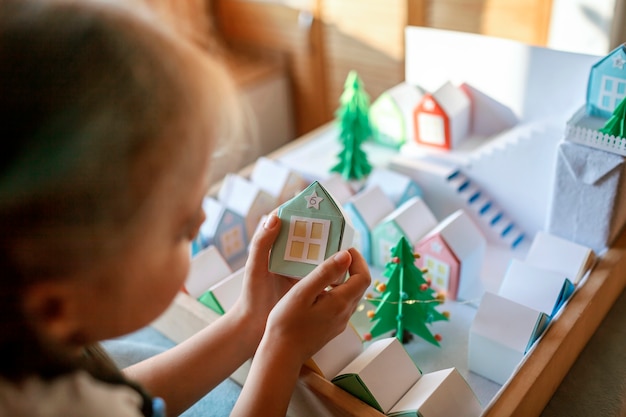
(371, 205)
(406, 216)
(453, 229)
(451, 98)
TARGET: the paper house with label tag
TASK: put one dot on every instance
(556, 254)
(391, 115)
(607, 83)
(224, 229)
(588, 203)
(442, 118)
(398, 187)
(314, 227)
(246, 199)
(413, 219)
(366, 209)
(277, 179)
(535, 287)
(500, 335)
(453, 253)
(221, 296)
(207, 267)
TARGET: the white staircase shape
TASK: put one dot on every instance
(485, 210)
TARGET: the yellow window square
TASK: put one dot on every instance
(441, 269)
(314, 252)
(299, 229)
(316, 230)
(296, 250)
(430, 264)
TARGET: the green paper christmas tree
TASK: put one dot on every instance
(353, 116)
(407, 303)
(617, 122)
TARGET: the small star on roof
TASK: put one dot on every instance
(619, 62)
(313, 201)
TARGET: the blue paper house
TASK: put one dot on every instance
(366, 209)
(607, 83)
(314, 227)
(223, 228)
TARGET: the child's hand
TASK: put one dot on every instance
(261, 289)
(310, 315)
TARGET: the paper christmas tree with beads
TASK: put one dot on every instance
(616, 125)
(407, 303)
(353, 117)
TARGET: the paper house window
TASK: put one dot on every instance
(438, 272)
(432, 129)
(307, 240)
(612, 92)
(232, 241)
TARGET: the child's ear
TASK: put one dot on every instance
(50, 305)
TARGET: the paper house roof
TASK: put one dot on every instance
(313, 228)
(207, 268)
(461, 234)
(398, 187)
(338, 187)
(560, 255)
(277, 179)
(371, 205)
(607, 83)
(247, 199)
(221, 296)
(535, 287)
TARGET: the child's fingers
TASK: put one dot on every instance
(353, 289)
(262, 243)
(325, 274)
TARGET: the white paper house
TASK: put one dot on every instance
(277, 179)
(221, 296)
(413, 219)
(500, 335)
(338, 187)
(207, 268)
(247, 199)
(366, 209)
(442, 118)
(398, 187)
(535, 287)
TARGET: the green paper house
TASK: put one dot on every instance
(314, 227)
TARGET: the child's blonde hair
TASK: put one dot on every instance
(96, 102)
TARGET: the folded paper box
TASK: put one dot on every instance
(588, 205)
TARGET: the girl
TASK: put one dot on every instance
(108, 123)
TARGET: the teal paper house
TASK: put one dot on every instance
(411, 220)
(607, 83)
(314, 227)
(391, 115)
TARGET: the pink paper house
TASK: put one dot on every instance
(453, 253)
(442, 118)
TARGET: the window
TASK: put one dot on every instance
(307, 240)
(612, 91)
(431, 129)
(438, 272)
(232, 242)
